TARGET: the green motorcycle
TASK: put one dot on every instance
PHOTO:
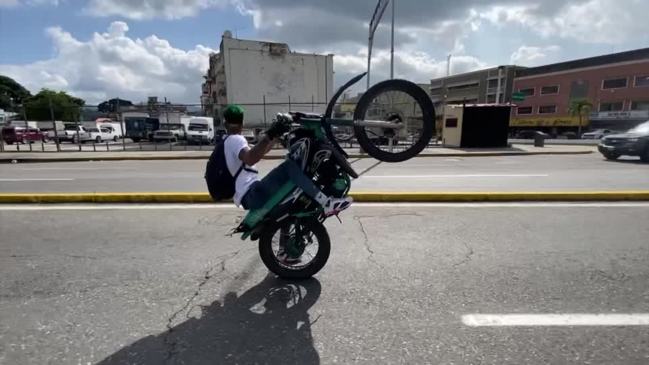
(393, 121)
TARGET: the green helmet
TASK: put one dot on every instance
(233, 114)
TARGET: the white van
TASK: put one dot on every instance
(200, 130)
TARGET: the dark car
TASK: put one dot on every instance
(635, 142)
(13, 134)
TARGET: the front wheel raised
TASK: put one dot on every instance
(295, 248)
(403, 103)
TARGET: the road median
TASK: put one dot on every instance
(368, 197)
(44, 157)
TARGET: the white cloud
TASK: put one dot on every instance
(14, 3)
(112, 64)
(8, 3)
(533, 56)
(149, 9)
(587, 21)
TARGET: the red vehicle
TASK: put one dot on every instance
(13, 134)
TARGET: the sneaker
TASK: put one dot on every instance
(337, 205)
(284, 258)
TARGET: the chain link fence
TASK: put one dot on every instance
(147, 127)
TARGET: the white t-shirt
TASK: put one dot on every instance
(233, 145)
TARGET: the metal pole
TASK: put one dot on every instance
(122, 124)
(167, 118)
(312, 101)
(500, 74)
(56, 134)
(78, 133)
(448, 66)
(289, 103)
(369, 58)
(264, 110)
(392, 44)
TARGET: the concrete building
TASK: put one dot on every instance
(265, 78)
(477, 87)
(617, 85)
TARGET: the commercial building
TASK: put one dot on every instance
(265, 78)
(617, 86)
(489, 86)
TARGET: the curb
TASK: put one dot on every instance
(367, 197)
(279, 157)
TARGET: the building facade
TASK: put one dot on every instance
(266, 78)
(616, 85)
(489, 86)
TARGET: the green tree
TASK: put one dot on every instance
(580, 108)
(11, 93)
(64, 106)
(112, 105)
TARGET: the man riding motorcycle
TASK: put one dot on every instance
(252, 193)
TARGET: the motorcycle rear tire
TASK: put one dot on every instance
(428, 119)
(270, 260)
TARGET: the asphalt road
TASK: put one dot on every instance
(164, 285)
(456, 174)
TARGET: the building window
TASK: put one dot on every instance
(642, 81)
(463, 87)
(527, 91)
(640, 105)
(522, 110)
(491, 99)
(550, 90)
(614, 83)
(547, 109)
(493, 83)
(611, 107)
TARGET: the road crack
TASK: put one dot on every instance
(212, 271)
(467, 255)
(366, 241)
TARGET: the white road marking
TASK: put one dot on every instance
(573, 319)
(450, 176)
(153, 206)
(65, 168)
(37, 179)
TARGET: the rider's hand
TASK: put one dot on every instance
(279, 127)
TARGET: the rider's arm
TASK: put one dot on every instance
(251, 156)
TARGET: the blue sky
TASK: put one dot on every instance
(97, 49)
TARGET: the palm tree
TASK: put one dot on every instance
(580, 108)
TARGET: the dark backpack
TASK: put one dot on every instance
(220, 182)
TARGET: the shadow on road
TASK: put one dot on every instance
(268, 324)
(627, 161)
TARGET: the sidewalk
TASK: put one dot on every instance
(515, 150)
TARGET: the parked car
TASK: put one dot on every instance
(635, 142)
(164, 135)
(596, 134)
(73, 133)
(176, 128)
(250, 136)
(525, 134)
(15, 134)
(567, 135)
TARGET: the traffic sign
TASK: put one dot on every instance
(518, 96)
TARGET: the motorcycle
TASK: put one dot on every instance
(291, 222)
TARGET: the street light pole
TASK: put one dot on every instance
(392, 44)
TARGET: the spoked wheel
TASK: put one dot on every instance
(403, 103)
(295, 248)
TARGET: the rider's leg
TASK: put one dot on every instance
(289, 170)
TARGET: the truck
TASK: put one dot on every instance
(200, 130)
(139, 128)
